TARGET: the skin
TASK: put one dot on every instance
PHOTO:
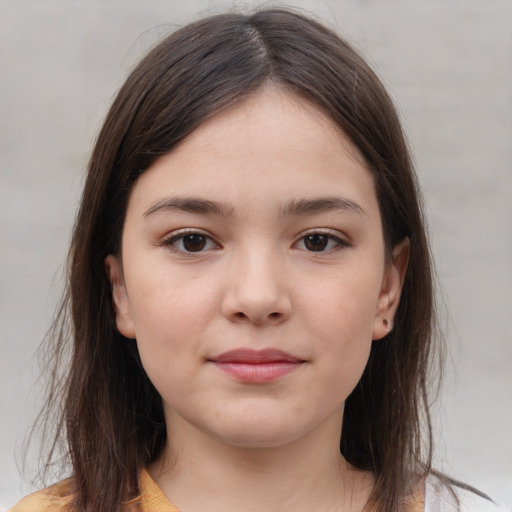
(256, 283)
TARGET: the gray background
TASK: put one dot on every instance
(448, 63)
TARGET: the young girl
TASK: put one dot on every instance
(250, 289)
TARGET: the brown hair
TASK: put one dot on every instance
(111, 415)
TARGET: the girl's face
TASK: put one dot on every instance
(253, 274)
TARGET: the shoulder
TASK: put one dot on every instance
(441, 497)
(57, 498)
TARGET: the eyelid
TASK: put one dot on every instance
(339, 238)
(178, 234)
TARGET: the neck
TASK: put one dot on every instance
(197, 472)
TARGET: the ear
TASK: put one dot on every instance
(120, 300)
(391, 290)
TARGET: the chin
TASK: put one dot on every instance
(259, 440)
(258, 433)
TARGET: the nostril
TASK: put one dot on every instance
(240, 315)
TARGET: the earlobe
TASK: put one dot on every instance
(120, 301)
(391, 290)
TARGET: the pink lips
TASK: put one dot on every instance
(261, 366)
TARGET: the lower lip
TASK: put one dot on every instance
(260, 372)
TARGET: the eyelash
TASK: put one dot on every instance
(180, 236)
(331, 238)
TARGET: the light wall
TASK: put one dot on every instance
(449, 66)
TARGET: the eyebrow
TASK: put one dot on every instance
(189, 205)
(320, 205)
(294, 207)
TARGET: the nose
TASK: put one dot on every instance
(257, 290)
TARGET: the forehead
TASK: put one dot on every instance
(272, 111)
(273, 145)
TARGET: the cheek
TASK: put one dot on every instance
(343, 304)
(340, 316)
(169, 316)
(165, 302)
(169, 325)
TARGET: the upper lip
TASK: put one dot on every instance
(251, 356)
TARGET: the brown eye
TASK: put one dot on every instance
(194, 242)
(190, 242)
(320, 241)
(316, 242)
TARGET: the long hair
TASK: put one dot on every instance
(111, 417)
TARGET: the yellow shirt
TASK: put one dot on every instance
(438, 499)
(152, 499)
